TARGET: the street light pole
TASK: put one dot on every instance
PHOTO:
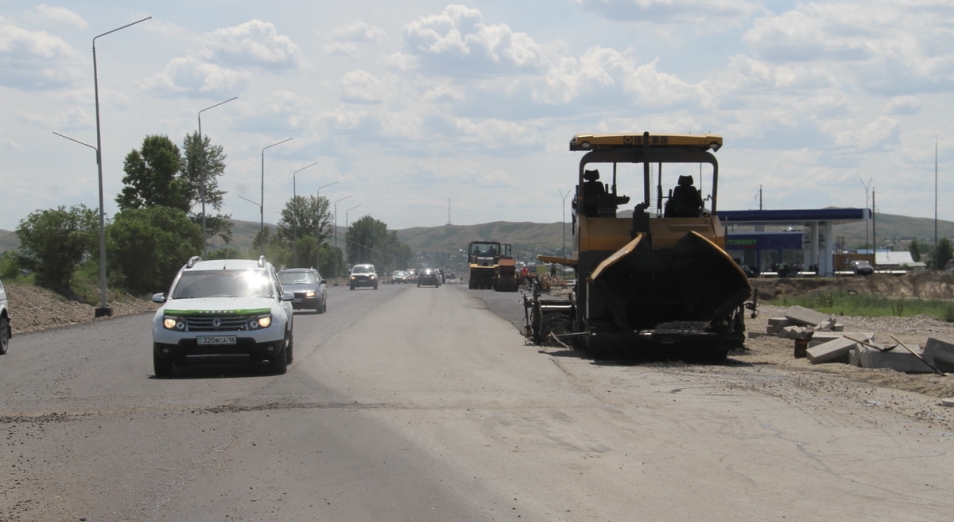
(261, 207)
(103, 309)
(318, 222)
(336, 218)
(295, 210)
(564, 219)
(347, 224)
(205, 241)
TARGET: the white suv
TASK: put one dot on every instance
(363, 275)
(223, 307)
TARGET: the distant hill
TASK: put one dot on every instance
(529, 239)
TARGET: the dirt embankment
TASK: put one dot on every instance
(922, 286)
(33, 308)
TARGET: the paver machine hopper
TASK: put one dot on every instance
(659, 279)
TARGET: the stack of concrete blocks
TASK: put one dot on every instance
(799, 321)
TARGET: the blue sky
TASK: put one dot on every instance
(407, 105)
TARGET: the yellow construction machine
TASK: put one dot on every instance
(658, 279)
(491, 266)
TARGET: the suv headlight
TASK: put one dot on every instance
(174, 323)
(310, 293)
(262, 321)
(373, 276)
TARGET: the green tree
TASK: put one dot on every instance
(305, 223)
(943, 253)
(152, 177)
(148, 246)
(369, 241)
(204, 161)
(53, 242)
(915, 250)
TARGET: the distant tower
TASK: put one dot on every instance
(448, 212)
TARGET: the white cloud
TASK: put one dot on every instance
(254, 43)
(357, 32)
(361, 87)
(672, 11)
(879, 134)
(9, 144)
(444, 93)
(279, 112)
(887, 47)
(34, 59)
(188, 76)
(346, 49)
(456, 42)
(903, 105)
(60, 15)
(74, 118)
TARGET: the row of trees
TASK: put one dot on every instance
(158, 226)
(935, 258)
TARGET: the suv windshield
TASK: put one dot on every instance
(223, 283)
(297, 278)
(363, 269)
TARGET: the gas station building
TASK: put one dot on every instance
(814, 244)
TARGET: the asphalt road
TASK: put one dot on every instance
(424, 404)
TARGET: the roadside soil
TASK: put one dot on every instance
(33, 308)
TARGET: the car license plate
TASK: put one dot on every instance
(296, 300)
(218, 339)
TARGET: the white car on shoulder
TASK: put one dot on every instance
(223, 307)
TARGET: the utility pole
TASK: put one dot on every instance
(866, 185)
(874, 233)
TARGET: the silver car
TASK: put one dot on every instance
(308, 286)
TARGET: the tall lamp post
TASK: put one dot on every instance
(294, 204)
(347, 225)
(262, 205)
(103, 309)
(336, 217)
(318, 234)
(564, 219)
(205, 241)
(336, 231)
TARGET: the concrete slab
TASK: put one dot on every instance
(804, 316)
(823, 337)
(775, 324)
(942, 352)
(790, 332)
(837, 327)
(898, 359)
(836, 350)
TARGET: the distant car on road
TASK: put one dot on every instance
(308, 286)
(223, 307)
(5, 332)
(862, 267)
(363, 275)
(430, 277)
(399, 276)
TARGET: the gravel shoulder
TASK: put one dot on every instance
(33, 308)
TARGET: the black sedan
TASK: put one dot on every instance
(308, 287)
(429, 277)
